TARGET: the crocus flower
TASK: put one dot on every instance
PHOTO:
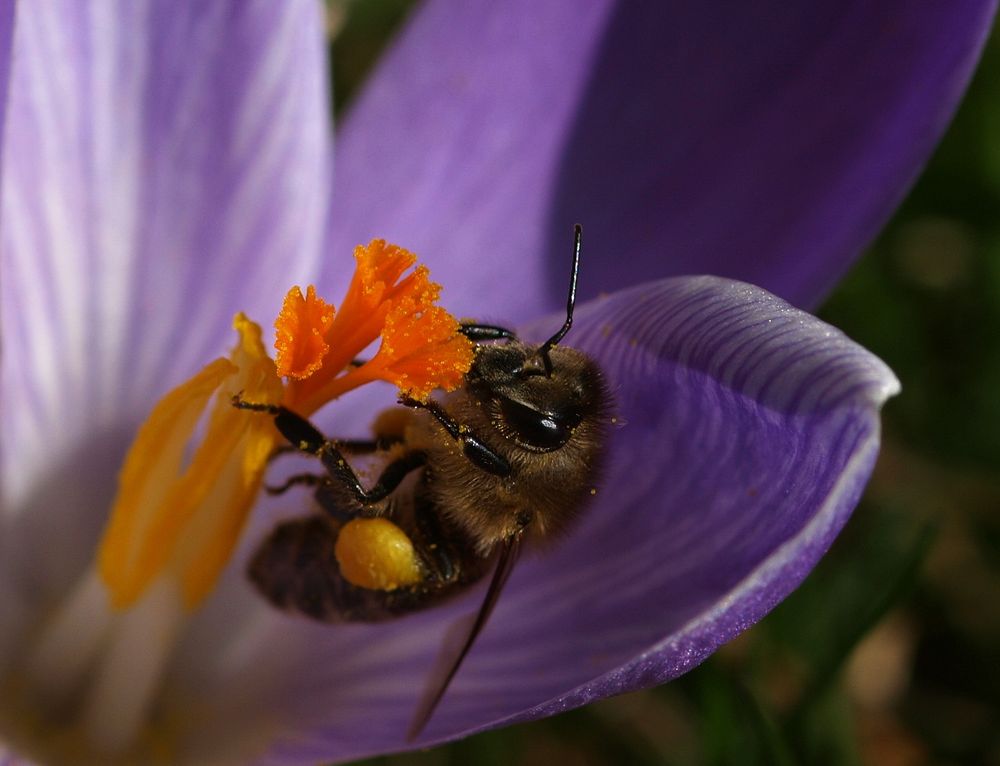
(167, 165)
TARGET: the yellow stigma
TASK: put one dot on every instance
(180, 506)
(376, 554)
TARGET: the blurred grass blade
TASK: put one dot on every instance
(900, 577)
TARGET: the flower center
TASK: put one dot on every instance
(194, 472)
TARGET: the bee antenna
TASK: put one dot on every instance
(543, 350)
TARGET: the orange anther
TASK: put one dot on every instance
(300, 333)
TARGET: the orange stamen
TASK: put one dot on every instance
(421, 350)
(300, 331)
(426, 350)
(375, 286)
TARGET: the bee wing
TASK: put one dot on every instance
(461, 636)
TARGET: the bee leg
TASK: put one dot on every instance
(391, 477)
(482, 332)
(479, 452)
(307, 438)
(299, 479)
(362, 446)
(326, 498)
(353, 446)
(302, 435)
(435, 546)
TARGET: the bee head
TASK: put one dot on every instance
(537, 411)
(538, 395)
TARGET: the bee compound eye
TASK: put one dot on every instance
(533, 429)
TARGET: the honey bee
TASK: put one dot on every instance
(508, 458)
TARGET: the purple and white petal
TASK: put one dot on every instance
(760, 141)
(747, 430)
(6, 42)
(165, 165)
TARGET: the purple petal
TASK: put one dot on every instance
(760, 141)
(747, 432)
(6, 40)
(165, 166)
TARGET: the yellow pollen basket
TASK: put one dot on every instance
(182, 501)
(376, 554)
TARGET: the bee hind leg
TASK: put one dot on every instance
(297, 480)
(390, 478)
(351, 446)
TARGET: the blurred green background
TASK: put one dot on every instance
(889, 653)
